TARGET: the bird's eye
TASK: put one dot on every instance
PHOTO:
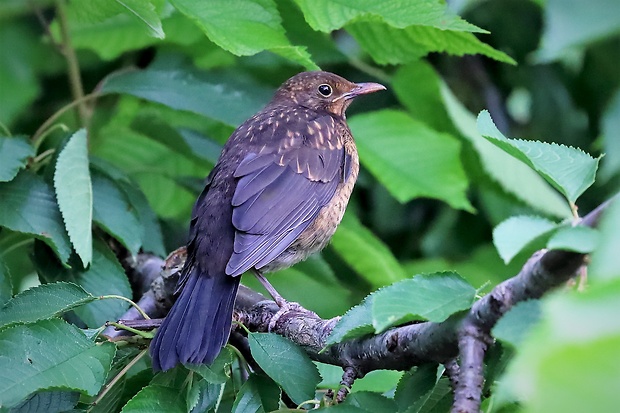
(325, 90)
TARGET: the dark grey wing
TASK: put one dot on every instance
(278, 195)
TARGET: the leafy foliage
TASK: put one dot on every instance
(274, 353)
(97, 170)
(569, 170)
(74, 193)
(44, 301)
(50, 353)
(14, 153)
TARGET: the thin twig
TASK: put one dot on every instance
(75, 80)
(38, 136)
(116, 378)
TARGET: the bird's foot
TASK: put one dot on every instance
(285, 307)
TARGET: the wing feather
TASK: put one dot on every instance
(279, 194)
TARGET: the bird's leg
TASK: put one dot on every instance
(280, 301)
(284, 305)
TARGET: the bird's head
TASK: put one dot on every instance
(322, 91)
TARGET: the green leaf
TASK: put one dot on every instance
(145, 11)
(203, 396)
(578, 239)
(48, 402)
(228, 98)
(354, 323)
(511, 174)
(389, 45)
(610, 125)
(569, 29)
(43, 301)
(410, 159)
(570, 170)
(75, 194)
(575, 338)
(6, 285)
(153, 166)
(414, 387)
(218, 371)
(112, 399)
(287, 364)
(21, 52)
(151, 238)
(370, 401)
(439, 399)
(244, 27)
(105, 276)
(417, 87)
(320, 45)
(382, 381)
(514, 234)
(186, 142)
(366, 253)
(431, 297)
(258, 394)
(119, 32)
(329, 15)
(113, 212)
(29, 206)
(516, 324)
(604, 266)
(50, 354)
(14, 154)
(156, 398)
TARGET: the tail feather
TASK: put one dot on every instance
(198, 325)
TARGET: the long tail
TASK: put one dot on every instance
(198, 324)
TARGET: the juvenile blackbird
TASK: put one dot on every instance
(275, 196)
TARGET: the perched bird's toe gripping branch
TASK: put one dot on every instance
(275, 196)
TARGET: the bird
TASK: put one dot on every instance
(275, 196)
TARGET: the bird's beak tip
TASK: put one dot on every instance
(365, 88)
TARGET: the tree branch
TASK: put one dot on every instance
(399, 348)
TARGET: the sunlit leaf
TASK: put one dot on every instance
(514, 177)
(574, 25)
(410, 159)
(329, 15)
(517, 323)
(389, 45)
(75, 194)
(514, 234)
(145, 11)
(431, 297)
(366, 253)
(244, 27)
(570, 170)
(578, 239)
(576, 337)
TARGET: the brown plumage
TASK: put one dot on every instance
(275, 196)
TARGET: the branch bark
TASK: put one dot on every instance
(399, 348)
